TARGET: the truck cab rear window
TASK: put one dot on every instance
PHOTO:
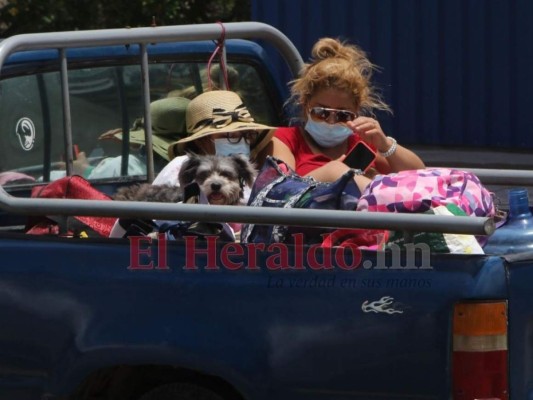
(101, 99)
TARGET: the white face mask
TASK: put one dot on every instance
(327, 135)
(224, 148)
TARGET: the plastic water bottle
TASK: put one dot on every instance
(516, 235)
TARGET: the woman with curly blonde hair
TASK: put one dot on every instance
(338, 103)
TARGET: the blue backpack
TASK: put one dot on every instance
(277, 185)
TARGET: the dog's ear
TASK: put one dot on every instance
(247, 171)
(188, 169)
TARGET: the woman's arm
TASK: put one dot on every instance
(402, 159)
(329, 172)
(281, 150)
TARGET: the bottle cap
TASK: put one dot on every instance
(518, 202)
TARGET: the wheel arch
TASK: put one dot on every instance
(132, 381)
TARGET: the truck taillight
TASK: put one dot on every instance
(480, 356)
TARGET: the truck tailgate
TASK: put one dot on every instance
(371, 332)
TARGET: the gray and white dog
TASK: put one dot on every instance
(220, 178)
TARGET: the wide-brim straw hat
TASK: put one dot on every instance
(168, 125)
(220, 111)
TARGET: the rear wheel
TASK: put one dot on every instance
(180, 391)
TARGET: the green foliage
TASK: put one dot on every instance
(30, 16)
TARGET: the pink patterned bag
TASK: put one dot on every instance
(417, 191)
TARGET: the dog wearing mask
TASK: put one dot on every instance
(220, 178)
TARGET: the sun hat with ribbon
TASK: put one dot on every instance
(220, 111)
(168, 125)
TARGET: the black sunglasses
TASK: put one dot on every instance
(321, 114)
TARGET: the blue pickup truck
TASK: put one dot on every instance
(80, 318)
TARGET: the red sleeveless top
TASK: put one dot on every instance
(306, 160)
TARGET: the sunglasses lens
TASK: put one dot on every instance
(322, 114)
(345, 116)
(319, 113)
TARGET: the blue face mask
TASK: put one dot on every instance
(327, 135)
(224, 148)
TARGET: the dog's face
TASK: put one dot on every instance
(220, 178)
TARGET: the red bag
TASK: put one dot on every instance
(373, 239)
(70, 187)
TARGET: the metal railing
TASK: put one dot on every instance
(245, 214)
(508, 177)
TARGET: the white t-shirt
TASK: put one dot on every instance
(110, 167)
(169, 174)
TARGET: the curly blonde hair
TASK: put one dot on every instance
(336, 64)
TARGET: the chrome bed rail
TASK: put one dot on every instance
(245, 214)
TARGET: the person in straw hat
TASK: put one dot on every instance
(168, 125)
(218, 123)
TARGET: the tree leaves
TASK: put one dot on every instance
(30, 16)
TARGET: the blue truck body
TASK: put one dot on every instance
(269, 334)
(93, 319)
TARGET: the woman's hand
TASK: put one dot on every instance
(369, 130)
(79, 165)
